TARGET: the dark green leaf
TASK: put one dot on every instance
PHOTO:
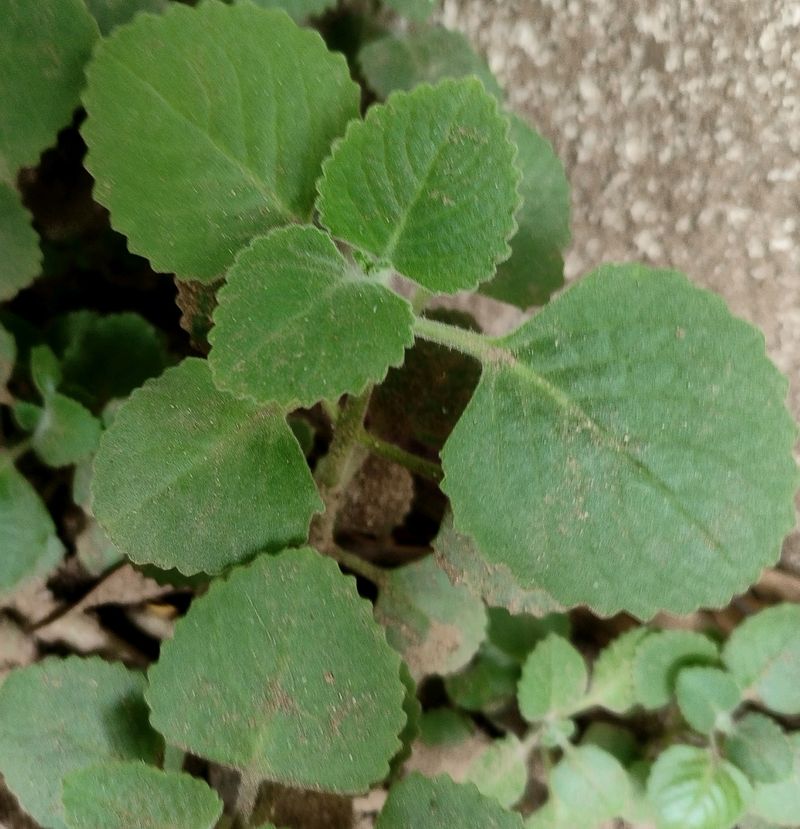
(8, 356)
(488, 683)
(22, 259)
(518, 635)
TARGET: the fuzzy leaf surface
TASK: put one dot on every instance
(553, 680)
(191, 478)
(634, 426)
(308, 693)
(760, 748)
(297, 324)
(22, 259)
(706, 697)
(66, 432)
(779, 802)
(61, 715)
(612, 684)
(194, 157)
(426, 184)
(112, 13)
(500, 771)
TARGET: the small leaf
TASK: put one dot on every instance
(62, 715)
(690, 789)
(45, 370)
(780, 802)
(661, 656)
(553, 680)
(517, 635)
(427, 185)
(112, 13)
(488, 683)
(28, 540)
(22, 259)
(500, 771)
(8, 356)
(119, 795)
(43, 49)
(437, 627)
(606, 437)
(66, 432)
(763, 653)
(196, 157)
(760, 748)
(191, 478)
(612, 683)
(306, 694)
(298, 9)
(26, 415)
(706, 697)
(429, 55)
(433, 803)
(297, 324)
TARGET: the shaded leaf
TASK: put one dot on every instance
(45, 370)
(553, 680)
(760, 748)
(612, 684)
(488, 683)
(64, 432)
(780, 802)
(112, 13)
(22, 259)
(707, 697)
(613, 739)
(442, 726)
(517, 635)
(413, 712)
(8, 356)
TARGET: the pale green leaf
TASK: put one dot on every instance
(780, 802)
(112, 13)
(188, 477)
(632, 427)
(763, 653)
(535, 268)
(661, 656)
(28, 540)
(556, 732)
(62, 715)
(433, 803)
(45, 370)
(296, 323)
(760, 748)
(194, 157)
(517, 635)
(553, 680)
(8, 356)
(415, 9)
(401, 62)
(436, 626)
(122, 795)
(66, 432)
(707, 697)
(500, 771)
(612, 685)
(22, 259)
(426, 184)
(298, 9)
(691, 789)
(43, 48)
(307, 692)
(550, 816)
(488, 683)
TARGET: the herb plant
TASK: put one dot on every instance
(626, 449)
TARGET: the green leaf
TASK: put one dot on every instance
(306, 694)
(488, 683)
(297, 323)
(22, 259)
(632, 426)
(196, 157)
(536, 267)
(66, 432)
(191, 478)
(119, 795)
(517, 635)
(763, 653)
(8, 356)
(612, 684)
(617, 741)
(426, 184)
(43, 49)
(429, 55)
(413, 712)
(436, 626)
(45, 370)
(500, 771)
(443, 726)
(298, 9)
(760, 748)
(62, 715)
(553, 680)
(690, 789)
(112, 13)
(707, 697)
(661, 656)
(28, 540)
(27, 415)
(433, 803)
(780, 802)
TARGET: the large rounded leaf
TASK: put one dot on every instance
(628, 448)
(192, 478)
(19, 243)
(208, 126)
(281, 671)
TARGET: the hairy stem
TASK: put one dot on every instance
(468, 342)
(412, 462)
(358, 565)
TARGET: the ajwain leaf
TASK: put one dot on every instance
(612, 684)
(426, 184)
(500, 771)
(22, 259)
(296, 323)
(112, 13)
(760, 748)
(632, 427)
(779, 802)
(188, 477)
(298, 9)
(196, 156)
(706, 697)
(553, 681)
(307, 693)
(516, 635)
(66, 432)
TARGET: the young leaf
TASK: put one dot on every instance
(661, 656)
(436, 626)
(62, 715)
(43, 49)
(8, 356)
(427, 185)
(433, 803)
(535, 268)
(306, 694)
(780, 802)
(298, 9)
(612, 683)
(517, 635)
(430, 55)
(706, 697)
(45, 370)
(66, 432)
(196, 157)
(500, 771)
(296, 323)
(112, 13)
(763, 653)
(691, 789)
(613, 739)
(760, 748)
(22, 259)
(28, 539)
(488, 683)
(191, 478)
(553, 680)
(632, 427)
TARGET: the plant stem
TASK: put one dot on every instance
(468, 342)
(409, 460)
(360, 566)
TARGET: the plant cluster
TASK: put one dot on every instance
(627, 449)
